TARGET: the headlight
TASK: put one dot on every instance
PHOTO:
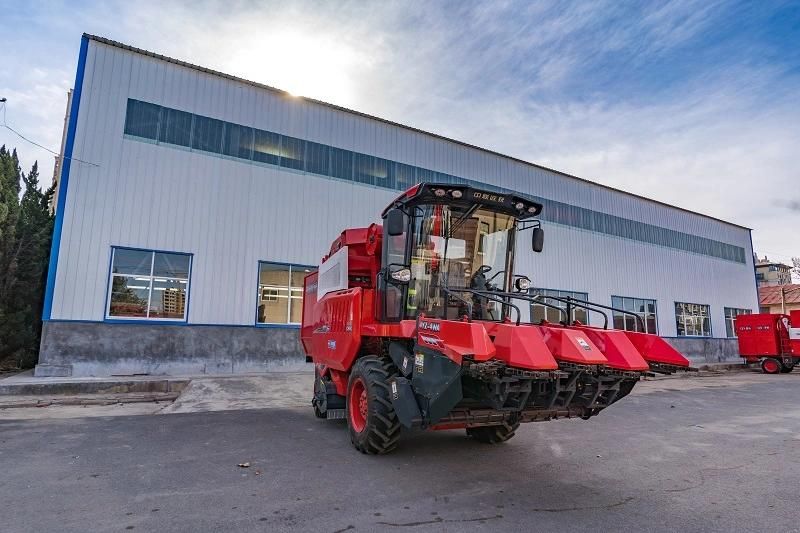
(439, 192)
(403, 275)
(456, 194)
(522, 284)
(532, 209)
(520, 206)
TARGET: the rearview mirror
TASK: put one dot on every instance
(395, 223)
(537, 239)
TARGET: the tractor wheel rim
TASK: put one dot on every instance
(771, 366)
(358, 405)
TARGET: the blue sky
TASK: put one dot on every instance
(694, 103)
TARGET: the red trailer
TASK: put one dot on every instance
(771, 340)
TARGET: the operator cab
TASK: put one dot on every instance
(442, 241)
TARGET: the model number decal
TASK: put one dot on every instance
(583, 343)
(430, 326)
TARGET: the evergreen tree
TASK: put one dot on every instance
(26, 229)
(9, 212)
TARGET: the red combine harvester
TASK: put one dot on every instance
(417, 322)
(770, 339)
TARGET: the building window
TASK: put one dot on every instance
(267, 147)
(280, 293)
(692, 320)
(292, 152)
(238, 141)
(541, 312)
(141, 119)
(207, 134)
(730, 316)
(144, 120)
(175, 127)
(145, 284)
(643, 307)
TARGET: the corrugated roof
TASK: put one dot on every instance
(771, 295)
(770, 263)
(117, 44)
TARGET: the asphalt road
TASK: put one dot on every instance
(690, 458)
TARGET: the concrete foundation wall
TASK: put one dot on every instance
(707, 350)
(102, 349)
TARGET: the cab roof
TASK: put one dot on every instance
(463, 195)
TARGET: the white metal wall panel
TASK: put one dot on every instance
(232, 214)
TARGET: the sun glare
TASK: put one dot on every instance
(301, 64)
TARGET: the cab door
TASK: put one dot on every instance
(393, 294)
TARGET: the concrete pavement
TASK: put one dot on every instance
(716, 454)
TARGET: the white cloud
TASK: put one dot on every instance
(515, 77)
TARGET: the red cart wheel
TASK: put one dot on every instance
(771, 366)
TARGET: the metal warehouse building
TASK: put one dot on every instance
(191, 204)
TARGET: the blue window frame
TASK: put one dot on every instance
(280, 293)
(148, 285)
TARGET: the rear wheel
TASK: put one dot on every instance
(494, 434)
(371, 420)
(320, 409)
(787, 368)
(771, 366)
(319, 400)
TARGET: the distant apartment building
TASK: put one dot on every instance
(769, 273)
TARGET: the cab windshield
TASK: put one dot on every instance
(458, 247)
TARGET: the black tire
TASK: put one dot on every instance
(494, 434)
(785, 369)
(381, 428)
(770, 365)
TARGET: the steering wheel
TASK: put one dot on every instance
(478, 279)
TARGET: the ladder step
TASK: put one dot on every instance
(336, 414)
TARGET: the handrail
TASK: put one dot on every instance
(568, 300)
(492, 297)
(535, 298)
(639, 320)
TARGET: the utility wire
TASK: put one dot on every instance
(21, 136)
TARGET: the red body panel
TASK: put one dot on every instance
(763, 334)
(455, 339)
(523, 347)
(571, 345)
(794, 335)
(654, 349)
(617, 348)
(335, 343)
